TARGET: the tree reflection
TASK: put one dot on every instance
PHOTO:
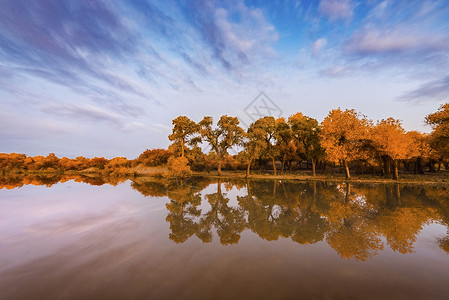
(356, 220)
(228, 221)
(351, 233)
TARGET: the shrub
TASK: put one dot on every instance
(154, 157)
(178, 167)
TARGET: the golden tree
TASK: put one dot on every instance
(253, 147)
(264, 131)
(306, 131)
(227, 134)
(419, 149)
(439, 138)
(284, 142)
(390, 140)
(343, 134)
(183, 133)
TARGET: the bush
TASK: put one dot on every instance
(154, 157)
(178, 167)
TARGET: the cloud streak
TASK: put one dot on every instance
(395, 42)
(129, 65)
(437, 90)
(336, 9)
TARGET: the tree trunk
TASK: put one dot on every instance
(313, 166)
(432, 166)
(407, 166)
(219, 167)
(419, 168)
(395, 171)
(348, 192)
(182, 149)
(219, 188)
(283, 164)
(348, 175)
(247, 170)
(274, 166)
(387, 170)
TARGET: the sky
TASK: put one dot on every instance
(106, 78)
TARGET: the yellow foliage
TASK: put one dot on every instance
(178, 167)
(390, 139)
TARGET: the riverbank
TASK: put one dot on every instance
(441, 177)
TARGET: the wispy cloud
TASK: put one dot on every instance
(318, 45)
(126, 64)
(336, 9)
(395, 42)
(83, 113)
(437, 90)
(232, 42)
(335, 71)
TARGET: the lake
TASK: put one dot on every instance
(77, 237)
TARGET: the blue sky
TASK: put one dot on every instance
(105, 78)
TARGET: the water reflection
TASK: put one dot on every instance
(356, 220)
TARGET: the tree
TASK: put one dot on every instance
(439, 138)
(227, 134)
(252, 149)
(390, 139)
(306, 131)
(284, 141)
(264, 131)
(183, 133)
(418, 150)
(343, 134)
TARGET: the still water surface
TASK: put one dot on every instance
(65, 238)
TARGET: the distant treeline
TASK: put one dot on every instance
(21, 162)
(345, 140)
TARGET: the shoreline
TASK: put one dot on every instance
(440, 178)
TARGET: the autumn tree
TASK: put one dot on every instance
(391, 141)
(439, 138)
(419, 149)
(343, 134)
(264, 130)
(253, 148)
(183, 134)
(284, 141)
(227, 134)
(306, 132)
